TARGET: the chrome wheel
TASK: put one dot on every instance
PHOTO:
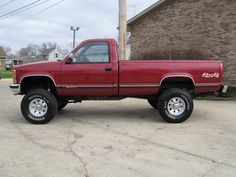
(176, 106)
(38, 107)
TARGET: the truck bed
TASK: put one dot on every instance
(148, 75)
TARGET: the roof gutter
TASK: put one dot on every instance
(144, 12)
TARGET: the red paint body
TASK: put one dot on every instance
(127, 78)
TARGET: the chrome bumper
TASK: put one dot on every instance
(15, 88)
(224, 89)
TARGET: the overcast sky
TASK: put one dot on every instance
(96, 18)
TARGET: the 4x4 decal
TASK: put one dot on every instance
(211, 75)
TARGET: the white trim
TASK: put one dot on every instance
(38, 75)
(208, 85)
(170, 76)
(140, 86)
(145, 11)
(84, 87)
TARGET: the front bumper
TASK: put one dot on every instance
(15, 88)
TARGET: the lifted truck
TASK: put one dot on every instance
(93, 72)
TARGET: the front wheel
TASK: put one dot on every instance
(175, 105)
(39, 106)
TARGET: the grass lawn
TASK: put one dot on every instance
(6, 74)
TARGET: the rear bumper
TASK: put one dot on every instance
(223, 89)
(15, 88)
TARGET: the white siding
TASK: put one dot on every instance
(55, 55)
(128, 52)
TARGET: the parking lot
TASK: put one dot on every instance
(117, 139)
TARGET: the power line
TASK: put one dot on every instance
(39, 12)
(23, 7)
(9, 2)
(32, 15)
(24, 10)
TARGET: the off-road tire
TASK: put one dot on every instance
(164, 105)
(47, 98)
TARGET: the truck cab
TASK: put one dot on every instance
(95, 65)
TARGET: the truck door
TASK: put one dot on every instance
(89, 71)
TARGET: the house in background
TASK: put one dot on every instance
(52, 54)
(205, 26)
(128, 51)
(6, 62)
(128, 47)
(17, 62)
(30, 59)
(13, 63)
(3, 56)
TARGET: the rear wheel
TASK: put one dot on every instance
(153, 102)
(39, 106)
(175, 105)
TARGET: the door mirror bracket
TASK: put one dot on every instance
(72, 59)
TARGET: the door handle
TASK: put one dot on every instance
(108, 69)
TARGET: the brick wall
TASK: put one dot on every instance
(208, 26)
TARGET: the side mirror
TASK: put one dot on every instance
(72, 59)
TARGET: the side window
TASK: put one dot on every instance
(96, 52)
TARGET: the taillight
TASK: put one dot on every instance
(221, 69)
(14, 75)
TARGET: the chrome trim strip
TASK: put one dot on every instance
(207, 85)
(169, 76)
(85, 87)
(44, 75)
(139, 86)
(104, 87)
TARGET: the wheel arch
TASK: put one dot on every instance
(178, 80)
(38, 80)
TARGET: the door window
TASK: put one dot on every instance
(96, 52)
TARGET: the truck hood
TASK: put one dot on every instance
(45, 68)
(38, 64)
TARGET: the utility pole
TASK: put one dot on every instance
(122, 28)
(74, 29)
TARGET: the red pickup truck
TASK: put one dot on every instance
(93, 72)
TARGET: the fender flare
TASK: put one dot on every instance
(182, 76)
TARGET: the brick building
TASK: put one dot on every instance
(206, 25)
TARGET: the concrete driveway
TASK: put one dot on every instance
(117, 139)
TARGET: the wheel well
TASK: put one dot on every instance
(177, 82)
(34, 82)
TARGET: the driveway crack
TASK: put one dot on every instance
(156, 144)
(74, 154)
(31, 140)
(70, 144)
(218, 164)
